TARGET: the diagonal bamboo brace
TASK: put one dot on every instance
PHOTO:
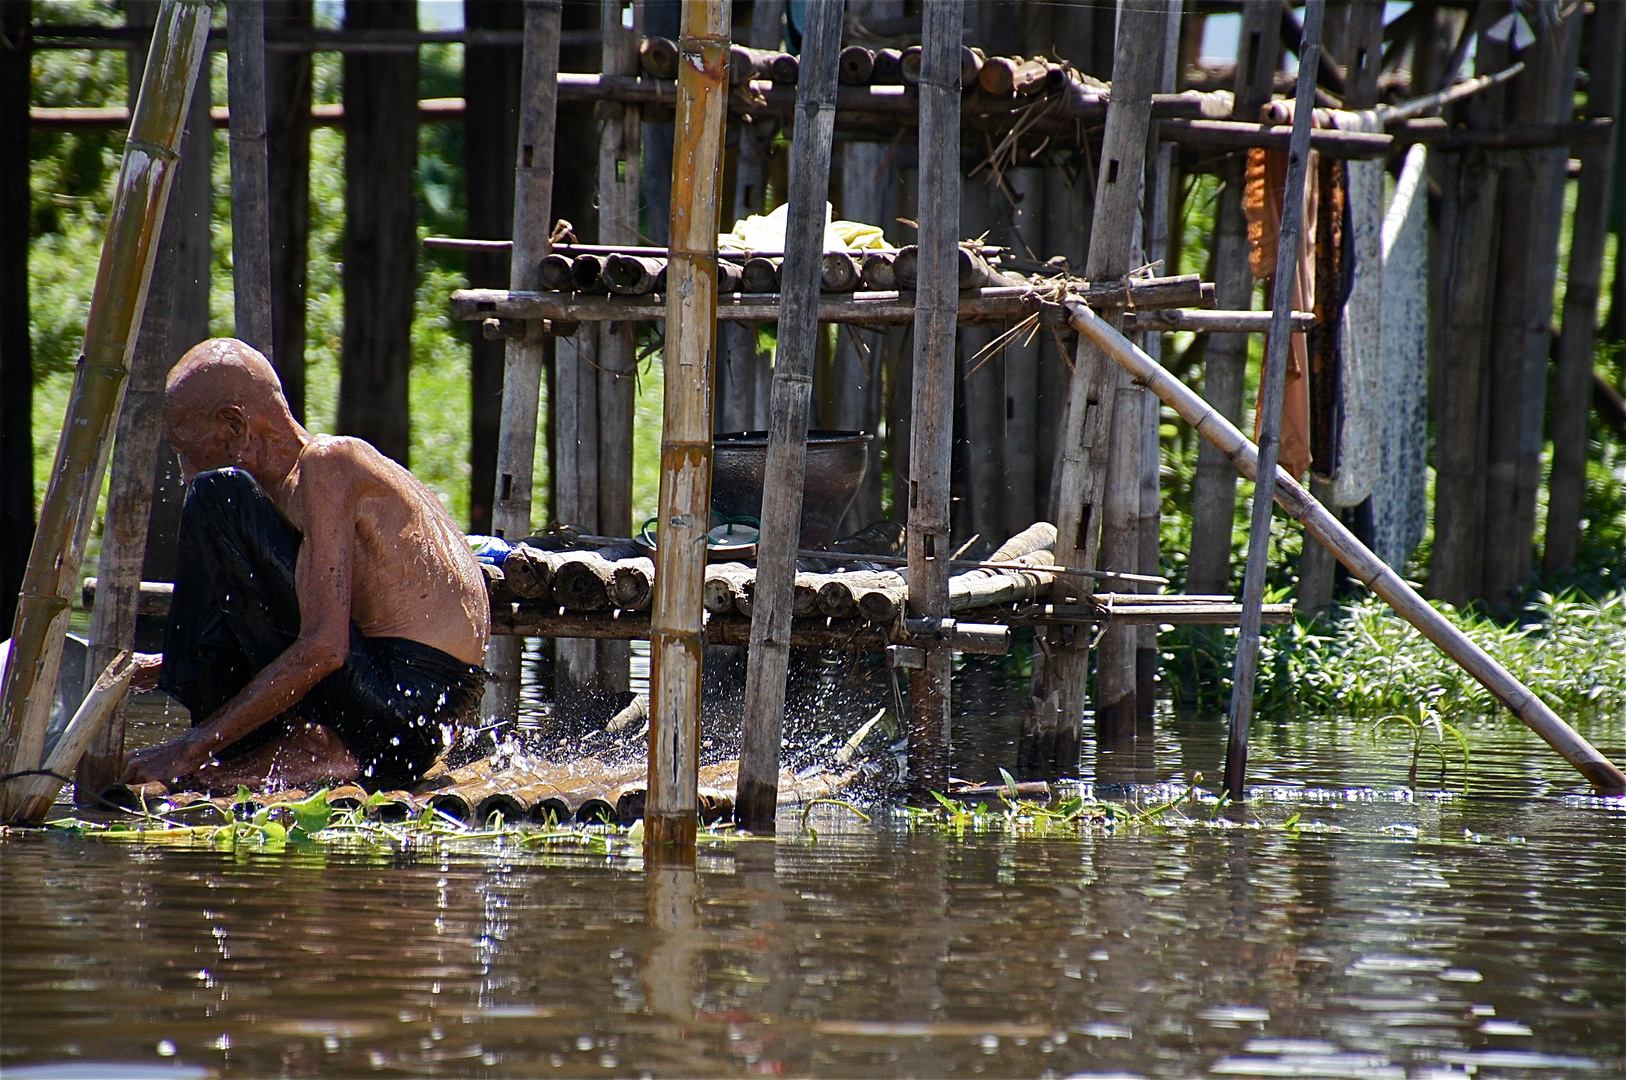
(1605, 778)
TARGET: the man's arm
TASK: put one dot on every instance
(328, 484)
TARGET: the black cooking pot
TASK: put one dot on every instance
(836, 461)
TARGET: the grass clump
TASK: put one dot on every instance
(1369, 662)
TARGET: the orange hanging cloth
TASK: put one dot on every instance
(1262, 203)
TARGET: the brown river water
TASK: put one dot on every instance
(1392, 935)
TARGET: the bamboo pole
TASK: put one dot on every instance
(522, 359)
(35, 795)
(1270, 402)
(140, 194)
(250, 184)
(1361, 561)
(931, 433)
(772, 599)
(1572, 385)
(677, 646)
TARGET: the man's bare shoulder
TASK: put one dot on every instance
(342, 460)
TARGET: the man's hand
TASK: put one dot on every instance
(165, 763)
(148, 666)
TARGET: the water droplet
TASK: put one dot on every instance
(584, 1043)
(989, 1043)
(166, 1048)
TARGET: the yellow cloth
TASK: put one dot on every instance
(766, 232)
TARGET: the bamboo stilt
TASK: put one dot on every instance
(1572, 386)
(620, 150)
(677, 623)
(140, 193)
(1270, 403)
(773, 599)
(1605, 778)
(1099, 453)
(522, 360)
(932, 425)
(16, 346)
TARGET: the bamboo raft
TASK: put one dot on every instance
(841, 600)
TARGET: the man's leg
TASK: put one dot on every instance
(305, 753)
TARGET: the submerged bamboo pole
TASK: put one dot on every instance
(1361, 561)
(141, 192)
(522, 357)
(677, 622)
(932, 427)
(1270, 402)
(35, 795)
(772, 599)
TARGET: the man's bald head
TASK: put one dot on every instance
(218, 373)
(223, 402)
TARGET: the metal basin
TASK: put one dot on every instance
(836, 461)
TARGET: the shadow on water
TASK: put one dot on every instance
(1404, 936)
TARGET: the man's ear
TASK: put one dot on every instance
(233, 419)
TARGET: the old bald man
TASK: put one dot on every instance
(329, 620)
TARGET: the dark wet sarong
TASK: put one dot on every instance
(235, 610)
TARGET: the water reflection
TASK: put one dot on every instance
(1427, 936)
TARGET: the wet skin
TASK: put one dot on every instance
(378, 549)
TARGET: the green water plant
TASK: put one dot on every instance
(1416, 730)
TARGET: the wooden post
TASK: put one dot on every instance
(677, 621)
(380, 232)
(140, 192)
(932, 424)
(1098, 459)
(743, 366)
(1462, 253)
(288, 141)
(758, 793)
(1160, 180)
(491, 89)
(1533, 183)
(1270, 402)
(16, 349)
(575, 483)
(618, 174)
(1372, 571)
(1572, 386)
(250, 194)
(522, 361)
(1225, 356)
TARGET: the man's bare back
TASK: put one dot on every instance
(375, 551)
(412, 575)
